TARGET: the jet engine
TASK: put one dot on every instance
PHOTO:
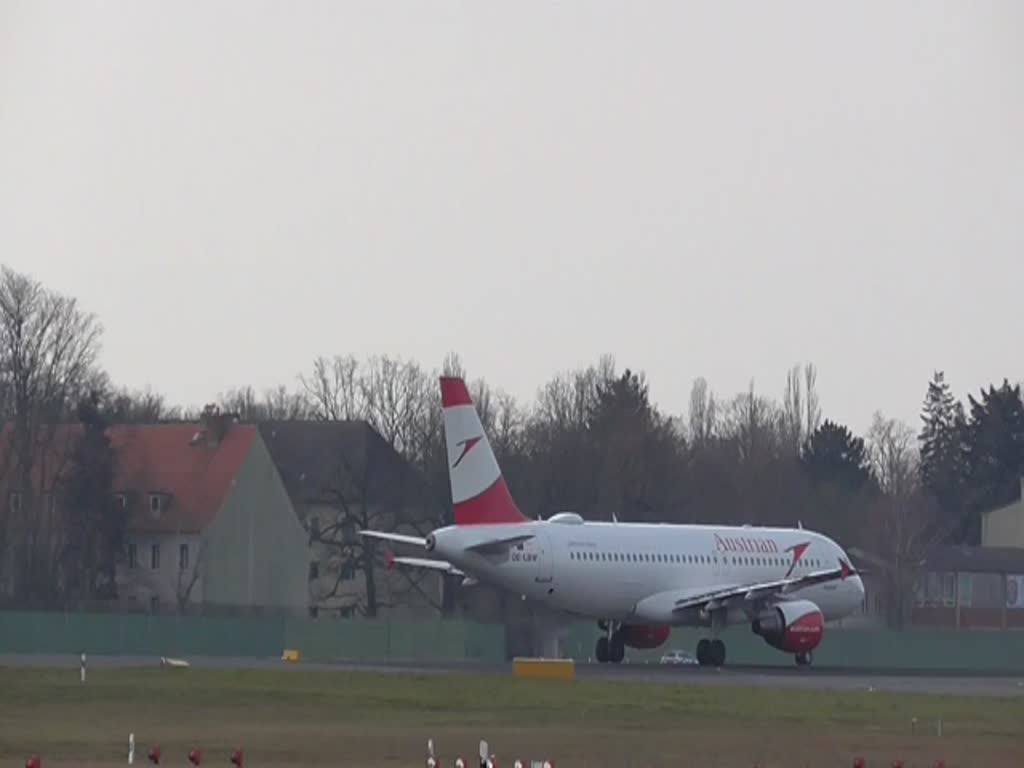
(794, 627)
(645, 635)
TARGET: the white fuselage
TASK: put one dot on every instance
(635, 572)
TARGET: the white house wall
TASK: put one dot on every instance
(140, 583)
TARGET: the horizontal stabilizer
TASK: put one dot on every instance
(415, 541)
(422, 562)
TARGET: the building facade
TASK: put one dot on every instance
(971, 588)
(210, 526)
(1004, 526)
(210, 522)
(341, 477)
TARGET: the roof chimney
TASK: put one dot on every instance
(216, 424)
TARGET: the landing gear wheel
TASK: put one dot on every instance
(601, 651)
(803, 659)
(710, 653)
(717, 655)
(617, 649)
(704, 652)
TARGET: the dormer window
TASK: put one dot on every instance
(121, 500)
(155, 504)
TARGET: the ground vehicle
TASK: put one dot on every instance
(678, 657)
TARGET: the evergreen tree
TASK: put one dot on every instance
(620, 400)
(993, 454)
(833, 455)
(941, 443)
(95, 524)
(635, 450)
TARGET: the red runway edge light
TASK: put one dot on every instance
(195, 757)
(154, 755)
(34, 762)
(236, 758)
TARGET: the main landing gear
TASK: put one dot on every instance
(710, 653)
(804, 659)
(611, 647)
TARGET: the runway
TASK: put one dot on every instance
(1005, 684)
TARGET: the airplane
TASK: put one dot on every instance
(637, 580)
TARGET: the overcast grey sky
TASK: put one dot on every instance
(715, 189)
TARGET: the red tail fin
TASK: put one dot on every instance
(479, 492)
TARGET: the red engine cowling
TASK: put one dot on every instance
(645, 635)
(793, 627)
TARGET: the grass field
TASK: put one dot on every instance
(293, 718)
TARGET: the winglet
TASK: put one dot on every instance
(390, 557)
(844, 569)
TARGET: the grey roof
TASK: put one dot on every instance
(976, 559)
(316, 456)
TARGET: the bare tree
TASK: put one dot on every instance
(811, 400)
(567, 400)
(892, 445)
(333, 389)
(753, 422)
(123, 406)
(274, 404)
(48, 349)
(367, 492)
(801, 414)
(903, 517)
(281, 403)
(793, 412)
(703, 413)
(395, 395)
(188, 577)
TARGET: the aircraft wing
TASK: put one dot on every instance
(719, 598)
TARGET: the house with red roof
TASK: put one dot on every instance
(210, 523)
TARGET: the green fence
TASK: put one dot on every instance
(396, 640)
(324, 640)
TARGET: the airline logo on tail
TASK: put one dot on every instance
(467, 446)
